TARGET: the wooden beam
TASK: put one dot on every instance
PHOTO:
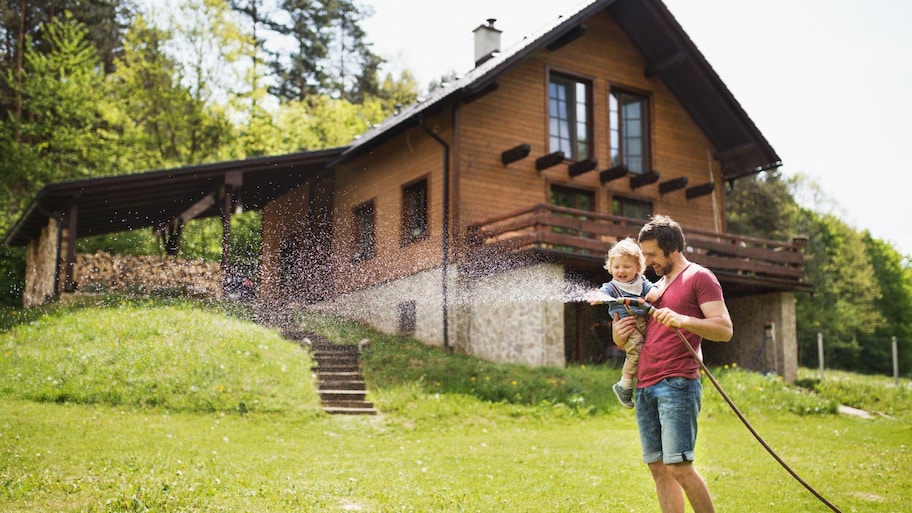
(700, 190)
(551, 159)
(672, 185)
(198, 208)
(613, 173)
(664, 63)
(582, 166)
(234, 178)
(515, 153)
(568, 37)
(644, 179)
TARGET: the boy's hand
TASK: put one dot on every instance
(652, 295)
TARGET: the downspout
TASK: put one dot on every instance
(446, 226)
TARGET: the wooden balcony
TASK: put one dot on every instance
(580, 239)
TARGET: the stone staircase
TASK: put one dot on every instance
(338, 371)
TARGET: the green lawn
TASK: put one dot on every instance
(455, 433)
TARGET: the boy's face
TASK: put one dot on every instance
(624, 268)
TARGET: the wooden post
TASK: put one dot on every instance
(227, 203)
(820, 353)
(895, 362)
(69, 281)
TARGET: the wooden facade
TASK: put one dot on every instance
(456, 221)
(485, 159)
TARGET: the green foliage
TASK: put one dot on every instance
(177, 358)
(761, 206)
(843, 305)
(893, 274)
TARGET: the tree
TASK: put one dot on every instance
(893, 274)
(160, 121)
(842, 306)
(321, 48)
(762, 207)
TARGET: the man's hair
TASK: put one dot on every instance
(667, 233)
(629, 248)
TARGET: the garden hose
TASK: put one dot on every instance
(649, 310)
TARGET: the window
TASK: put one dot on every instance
(570, 197)
(629, 126)
(568, 116)
(408, 314)
(364, 221)
(415, 212)
(627, 207)
(289, 253)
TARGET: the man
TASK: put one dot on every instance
(669, 392)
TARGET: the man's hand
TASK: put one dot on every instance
(668, 317)
(621, 329)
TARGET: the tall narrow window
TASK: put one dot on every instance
(629, 126)
(364, 221)
(568, 117)
(415, 212)
(289, 253)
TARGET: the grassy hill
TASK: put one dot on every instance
(140, 405)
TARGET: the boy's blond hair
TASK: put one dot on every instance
(629, 248)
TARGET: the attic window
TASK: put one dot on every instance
(569, 115)
(629, 125)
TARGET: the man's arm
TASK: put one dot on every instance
(716, 324)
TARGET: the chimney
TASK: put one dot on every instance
(487, 41)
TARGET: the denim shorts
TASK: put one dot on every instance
(666, 416)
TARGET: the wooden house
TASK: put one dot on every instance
(474, 217)
(470, 217)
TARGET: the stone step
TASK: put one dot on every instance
(350, 410)
(342, 395)
(348, 384)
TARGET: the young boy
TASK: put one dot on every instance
(625, 261)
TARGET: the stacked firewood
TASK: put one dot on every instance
(147, 274)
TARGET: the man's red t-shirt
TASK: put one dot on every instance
(663, 354)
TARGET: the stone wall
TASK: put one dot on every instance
(513, 317)
(147, 274)
(379, 306)
(755, 348)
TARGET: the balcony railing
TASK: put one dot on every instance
(576, 234)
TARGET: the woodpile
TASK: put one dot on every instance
(147, 274)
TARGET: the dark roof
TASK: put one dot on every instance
(127, 202)
(669, 54)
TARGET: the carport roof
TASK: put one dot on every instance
(128, 202)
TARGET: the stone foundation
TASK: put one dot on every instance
(753, 347)
(513, 317)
